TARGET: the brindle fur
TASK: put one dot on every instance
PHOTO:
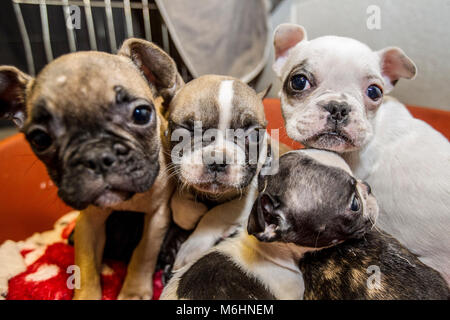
(342, 272)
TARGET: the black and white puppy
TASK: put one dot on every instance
(312, 210)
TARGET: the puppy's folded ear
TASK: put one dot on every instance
(159, 69)
(266, 222)
(13, 84)
(395, 64)
(286, 36)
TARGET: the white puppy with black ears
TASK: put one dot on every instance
(332, 98)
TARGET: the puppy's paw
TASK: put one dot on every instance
(135, 295)
(135, 291)
(191, 250)
(186, 210)
(87, 295)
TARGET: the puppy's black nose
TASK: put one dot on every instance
(217, 167)
(99, 161)
(108, 159)
(338, 110)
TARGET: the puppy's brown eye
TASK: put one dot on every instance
(40, 140)
(142, 115)
(355, 206)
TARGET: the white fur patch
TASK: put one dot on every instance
(279, 64)
(45, 272)
(226, 94)
(192, 164)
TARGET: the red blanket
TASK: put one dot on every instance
(44, 267)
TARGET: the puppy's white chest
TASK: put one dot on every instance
(285, 283)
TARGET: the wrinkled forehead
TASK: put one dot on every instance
(312, 178)
(302, 164)
(85, 80)
(335, 58)
(218, 102)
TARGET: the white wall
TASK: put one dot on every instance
(420, 27)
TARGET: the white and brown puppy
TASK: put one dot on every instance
(217, 128)
(313, 211)
(95, 120)
(332, 98)
(298, 210)
(210, 162)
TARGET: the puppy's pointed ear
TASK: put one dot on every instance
(13, 84)
(159, 69)
(261, 95)
(266, 222)
(286, 36)
(395, 64)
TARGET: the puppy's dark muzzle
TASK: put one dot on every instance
(105, 167)
(102, 158)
